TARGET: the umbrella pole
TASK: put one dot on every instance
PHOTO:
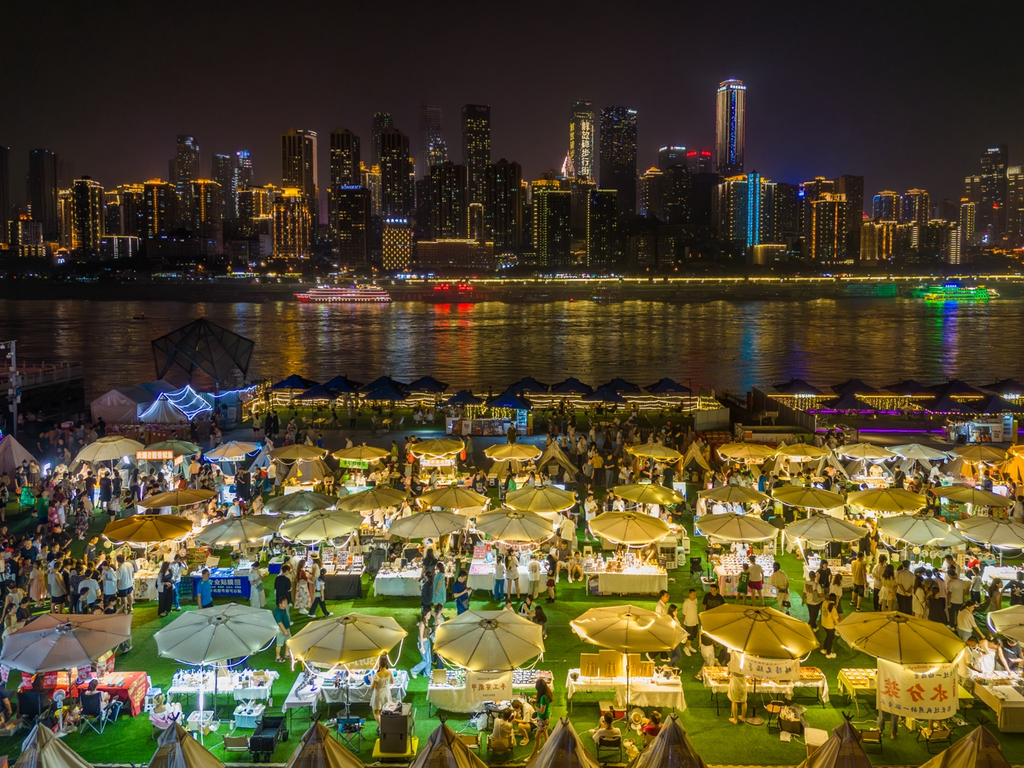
(754, 718)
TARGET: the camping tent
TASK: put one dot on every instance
(125, 405)
(553, 454)
(446, 749)
(176, 749)
(318, 749)
(162, 412)
(694, 454)
(842, 750)
(42, 749)
(563, 749)
(11, 455)
(978, 749)
(671, 748)
(203, 346)
(307, 471)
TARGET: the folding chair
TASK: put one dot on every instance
(94, 715)
(235, 744)
(938, 735)
(30, 707)
(696, 568)
(609, 744)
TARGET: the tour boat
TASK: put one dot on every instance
(358, 294)
(953, 292)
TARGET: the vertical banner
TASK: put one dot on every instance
(925, 691)
(488, 686)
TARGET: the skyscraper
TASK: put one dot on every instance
(503, 205)
(852, 187)
(827, 242)
(449, 202)
(208, 199)
(244, 175)
(552, 225)
(581, 140)
(671, 156)
(369, 178)
(160, 208)
(299, 169)
(992, 202)
(345, 158)
(602, 223)
(885, 206)
(699, 161)
(397, 245)
(432, 150)
(87, 219)
(915, 207)
(186, 170)
(396, 185)
(350, 223)
(476, 147)
(650, 194)
(132, 199)
(381, 120)
(292, 225)
(5, 192)
(968, 222)
(42, 191)
(225, 175)
(733, 208)
(730, 127)
(618, 156)
(1015, 205)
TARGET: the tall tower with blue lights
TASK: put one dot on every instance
(730, 127)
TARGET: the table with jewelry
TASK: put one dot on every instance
(647, 691)
(241, 685)
(481, 575)
(716, 679)
(450, 695)
(398, 583)
(339, 687)
(730, 566)
(616, 577)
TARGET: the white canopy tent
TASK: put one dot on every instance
(11, 455)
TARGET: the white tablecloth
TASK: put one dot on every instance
(406, 585)
(486, 580)
(642, 692)
(302, 695)
(145, 586)
(453, 698)
(774, 687)
(613, 583)
(230, 684)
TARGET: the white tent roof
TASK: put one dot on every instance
(11, 455)
(693, 454)
(41, 749)
(162, 412)
(563, 749)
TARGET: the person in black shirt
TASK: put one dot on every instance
(283, 585)
(712, 599)
(1016, 589)
(1009, 655)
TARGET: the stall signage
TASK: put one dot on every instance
(436, 461)
(926, 691)
(5, 672)
(488, 686)
(154, 455)
(764, 669)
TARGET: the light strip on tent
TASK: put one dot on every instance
(151, 411)
(188, 401)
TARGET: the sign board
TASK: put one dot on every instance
(925, 691)
(154, 455)
(764, 669)
(488, 686)
(437, 461)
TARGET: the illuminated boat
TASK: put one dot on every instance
(353, 294)
(953, 292)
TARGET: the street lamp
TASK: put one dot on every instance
(14, 382)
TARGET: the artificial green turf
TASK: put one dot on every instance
(716, 740)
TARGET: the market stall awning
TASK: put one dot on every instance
(604, 395)
(797, 387)
(315, 393)
(489, 641)
(1006, 388)
(511, 400)
(667, 387)
(427, 384)
(909, 388)
(900, 638)
(463, 397)
(621, 386)
(342, 385)
(528, 385)
(571, 386)
(294, 382)
(344, 639)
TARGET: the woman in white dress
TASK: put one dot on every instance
(380, 688)
(257, 597)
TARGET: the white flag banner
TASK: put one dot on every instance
(764, 669)
(924, 691)
(488, 686)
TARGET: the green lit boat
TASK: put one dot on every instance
(953, 292)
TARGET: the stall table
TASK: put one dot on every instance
(225, 582)
(855, 682)
(344, 585)
(1008, 704)
(245, 685)
(1005, 573)
(728, 573)
(451, 695)
(129, 687)
(642, 692)
(717, 680)
(398, 583)
(145, 585)
(308, 694)
(481, 576)
(644, 580)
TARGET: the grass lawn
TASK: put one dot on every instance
(717, 741)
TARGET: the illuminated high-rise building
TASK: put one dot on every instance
(254, 204)
(292, 225)
(651, 184)
(299, 169)
(225, 175)
(381, 120)
(992, 202)
(885, 206)
(581, 140)
(432, 150)
(476, 147)
(852, 188)
(827, 244)
(733, 210)
(349, 207)
(87, 225)
(160, 209)
(184, 170)
(244, 174)
(699, 161)
(396, 254)
(42, 191)
(674, 193)
(503, 205)
(449, 202)
(552, 224)
(955, 243)
(396, 183)
(208, 201)
(760, 210)
(370, 179)
(1015, 205)
(5, 192)
(968, 222)
(345, 158)
(602, 226)
(671, 156)
(618, 156)
(915, 207)
(131, 199)
(730, 127)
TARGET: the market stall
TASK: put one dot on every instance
(452, 696)
(1007, 703)
(648, 691)
(404, 582)
(626, 576)
(859, 682)
(716, 679)
(728, 568)
(314, 687)
(129, 687)
(226, 582)
(240, 684)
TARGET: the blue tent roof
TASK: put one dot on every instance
(909, 388)
(1005, 387)
(342, 385)
(604, 395)
(667, 387)
(620, 385)
(316, 392)
(427, 384)
(999, 404)
(947, 404)
(381, 381)
(528, 384)
(797, 387)
(854, 387)
(510, 399)
(384, 391)
(849, 402)
(294, 382)
(956, 387)
(571, 386)
(463, 397)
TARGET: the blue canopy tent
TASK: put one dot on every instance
(509, 399)
(797, 387)
(571, 386)
(316, 392)
(528, 385)
(463, 397)
(621, 386)
(342, 385)
(667, 387)
(429, 385)
(603, 395)
(295, 382)
(384, 391)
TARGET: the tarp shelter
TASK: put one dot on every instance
(176, 749)
(553, 454)
(42, 749)
(854, 387)
(947, 404)
(957, 388)
(693, 454)
(849, 402)
(11, 455)
(671, 748)
(204, 346)
(318, 749)
(842, 750)
(125, 405)
(383, 392)
(978, 749)
(1006, 387)
(563, 749)
(162, 412)
(382, 381)
(444, 749)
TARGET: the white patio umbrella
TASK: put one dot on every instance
(919, 452)
(808, 497)
(236, 530)
(914, 529)
(321, 525)
(993, 531)
(900, 638)
(110, 449)
(973, 496)
(801, 452)
(341, 640)
(300, 502)
(233, 450)
(542, 499)
(825, 528)
(752, 453)
(515, 525)
(1008, 622)
(886, 500)
(427, 525)
(513, 452)
(54, 642)
(733, 527)
(489, 641)
(865, 451)
(377, 497)
(735, 494)
(632, 528)
(453, 497)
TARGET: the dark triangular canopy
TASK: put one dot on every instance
(528, 385)
(202, 345)
(604, 395)
(510, 399)
(463, 397)
(342, 385)
(428, 384)
(621, 386)
(796, 387)
(667, 387)
(910, 388)
(571, 386)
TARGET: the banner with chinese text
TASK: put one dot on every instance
(925, 691)
(488, 686)
(764, 669)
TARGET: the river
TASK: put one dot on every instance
(729, 345)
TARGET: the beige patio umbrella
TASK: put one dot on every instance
(919, 452)
(345, 639)
(319, 749)
(655, 451)
(300, 501)
(110, 449)
(900, 638)
(1008, 622)
(181, 498)
(489, 641)
(177, 749)
(808, 497)
(759, 631)
(438, 447)
(452, 497)
(914, 529)
(213, 635)
(53, 642)
(377, 497)
(632, 528)
(752, 453)
(802, 452)
(886, 500)
(865, 451)
(825, 528)
(427, 525)
(236, 530)
(973, 496)
(148, 529)
(733, 494)
(515, 525)
(42, 748)
(177, 447)
(513, 452)
(992, 531)
(362, 452)
(321, 525)
(981, 454)
(952, 539)
(541, 499)
(297, 452)
(233, 450)
(733, 527)
(628, 628)
(648, 493)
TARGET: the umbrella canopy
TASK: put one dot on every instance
(999, 404)
(235, 530)
(212, 635)
(514, 525)
(321, 525)
(362, 452)
(980, 454)
(914, 529)
(513, 452)
(886, 500)
(177, 749)
(604, 395)
(900, 638)
(667, 387)
(318, 749)
(948, 404)
(992, 531)
(628, 628)
(750, 452)
(342, 385)
(868, 451)
(656, 451)
(233, 450)
(438, 447)
(978, 749)
(620, 385)
(299, 502)
(528, 384)
(1009, 622)
(733, 527)
(648, 493)
(463, 397)
(571, 386)
(854, 387)
(383, 392)
(759, 631)
(801, 452)
(735, 494)
(345, 639)
(634, 529)
(179, 447)
(910, 388)
(842, 750)
(849, 402)
(293, 382)
(183, 498)
(42, 748)
(489, 641)
(445, 749)
(510, 400)
(427, 525)
(797, 387)
(147, 529)
(957, 388)
(427, 384)
(371, 499)
(53, 642)
(808, 497)
(966, 495)
(671, 748)
(919, 452)
(314, 393)
(109, 449)
(542, 499)
(825, 528)
(297, 452)
(453, 497)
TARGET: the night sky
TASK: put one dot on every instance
(901, 93)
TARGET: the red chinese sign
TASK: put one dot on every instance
(924, 691)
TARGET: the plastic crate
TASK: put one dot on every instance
(246, 715)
